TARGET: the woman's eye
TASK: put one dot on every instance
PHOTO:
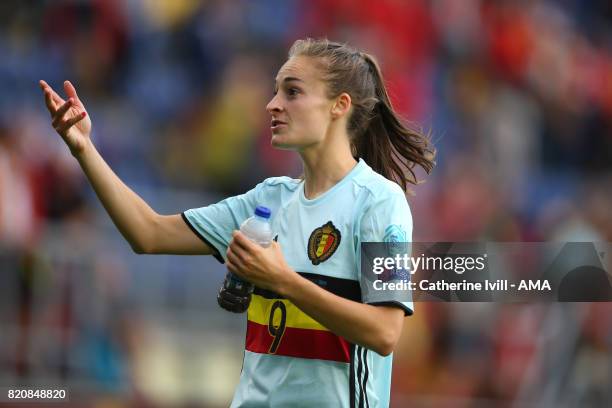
(292, 91)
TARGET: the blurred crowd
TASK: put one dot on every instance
(517, 97)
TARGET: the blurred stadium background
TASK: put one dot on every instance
(518, 95)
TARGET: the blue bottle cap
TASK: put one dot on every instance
(262, 211)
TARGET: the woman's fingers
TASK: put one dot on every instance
(51, 105)
(233, 263)
(71, 92)
(231, 267)
(234, 256)
(49, 102)
(55, 97)
(52, 99)
(243, 242)
(58, 116)
(62, 128)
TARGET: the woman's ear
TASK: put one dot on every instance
(341, 106)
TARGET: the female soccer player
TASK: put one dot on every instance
(315, 336)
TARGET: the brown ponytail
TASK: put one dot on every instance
(377, 133)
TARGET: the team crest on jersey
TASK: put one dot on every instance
(323, 242)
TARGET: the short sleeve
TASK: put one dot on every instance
(387, 220)
(214, 223)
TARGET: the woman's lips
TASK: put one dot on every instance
(277, 124)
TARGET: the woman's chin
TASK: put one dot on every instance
(280, 142)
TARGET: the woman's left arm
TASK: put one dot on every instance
(377, 328)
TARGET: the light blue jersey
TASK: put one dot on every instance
(290, 359)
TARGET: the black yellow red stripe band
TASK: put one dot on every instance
(346, 288)
(276, 326)
(295, 342)
(261, 308)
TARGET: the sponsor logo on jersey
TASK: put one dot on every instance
(323, 242)
(395, 233)
(395, 242)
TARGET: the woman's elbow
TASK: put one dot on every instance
(389, 335)
(386, 345)
(141, 248)
(138, 249)
(145, 239)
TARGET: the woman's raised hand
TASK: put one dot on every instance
(68, 117)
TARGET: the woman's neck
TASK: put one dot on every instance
(325, 168)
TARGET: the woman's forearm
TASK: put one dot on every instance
(132, 216)
(143, 228)
(375, 327)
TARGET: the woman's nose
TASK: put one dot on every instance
(274, 105)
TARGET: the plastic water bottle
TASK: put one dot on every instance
(235, 294)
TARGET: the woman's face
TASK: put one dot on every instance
(300, 109)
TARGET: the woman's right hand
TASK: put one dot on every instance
(68, 117)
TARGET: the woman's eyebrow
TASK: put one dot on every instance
(288, 79)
